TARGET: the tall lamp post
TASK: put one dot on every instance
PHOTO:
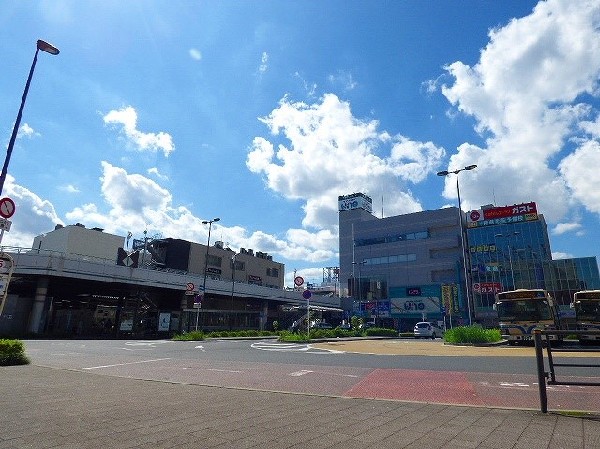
(359, 283)
(232, 287)
(512, 271)
(48, 48)
(462, 233)
(209, 223)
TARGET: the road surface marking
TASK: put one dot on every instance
(123, 364)
(301, 372)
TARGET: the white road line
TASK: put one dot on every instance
(513, 384)
(301, 373)
(224, 370)
(129, 363)
(289, 347)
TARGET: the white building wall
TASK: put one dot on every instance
(78, 240)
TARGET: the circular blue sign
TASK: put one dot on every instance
(306, 294)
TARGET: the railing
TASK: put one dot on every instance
(549, 377)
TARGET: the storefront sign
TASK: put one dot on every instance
(164, 321)
(502, 215)
(414, 305)
(355, 201)
(487, 288)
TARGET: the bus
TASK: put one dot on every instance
(587, 313)
(523, 310)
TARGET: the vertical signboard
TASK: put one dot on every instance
(6, 269)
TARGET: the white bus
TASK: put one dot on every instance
(522, 311)
(587, 313)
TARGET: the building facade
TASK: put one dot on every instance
(509, 248)
(407, 268)
(80, 282)
(402, 269)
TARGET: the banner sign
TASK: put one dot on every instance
(509, 211)
(487, 288)
(414, 305)
(502, 215)
(355, 201)
(450, 298)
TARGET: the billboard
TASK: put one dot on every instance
(487, 288)
(355, 201)
(502, 215)
(414, 305)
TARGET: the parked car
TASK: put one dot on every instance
(427, 329)
(322, 325)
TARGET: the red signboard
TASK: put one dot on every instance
(487, 287)
(509, 211)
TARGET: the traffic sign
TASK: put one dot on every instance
(298, 281)
(5, 264)
(306, 294)
(198, 301)
(4, 280)
(5, 224)
(7, 207)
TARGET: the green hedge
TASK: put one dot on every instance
(472, 334)
(380, 332)
(200, 335)
(337, 333)
(190, 336)
(12, 352)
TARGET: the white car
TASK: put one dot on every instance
(427, 329)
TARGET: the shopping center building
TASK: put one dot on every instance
(82, 282)
(446, 266)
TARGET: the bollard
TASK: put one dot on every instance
(539, 357)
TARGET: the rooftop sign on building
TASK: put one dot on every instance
(502, 215)
(355, 201)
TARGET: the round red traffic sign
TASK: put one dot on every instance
(7, 207)
(298, 281)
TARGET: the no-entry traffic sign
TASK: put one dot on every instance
(7, 207)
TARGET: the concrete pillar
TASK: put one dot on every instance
(263, 315)
(37, 309)
(184, 301)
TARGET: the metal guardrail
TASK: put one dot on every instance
(549, 377)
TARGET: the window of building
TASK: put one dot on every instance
(392, 238)
(239, 265)
(391, 259)
(273, 272)
(214, 261)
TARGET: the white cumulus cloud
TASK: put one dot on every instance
(127, 119)
(528, 94)
(320, 151)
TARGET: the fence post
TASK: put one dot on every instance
(539, 357)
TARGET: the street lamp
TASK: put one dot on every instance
(48, 48)
(209, 223)
(512, 272)
(359, 276)
(462, 233)
(232, 286)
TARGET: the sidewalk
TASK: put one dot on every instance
(52, 408)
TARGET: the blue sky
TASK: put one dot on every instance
(157, 115)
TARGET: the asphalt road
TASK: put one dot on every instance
(422, 371)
